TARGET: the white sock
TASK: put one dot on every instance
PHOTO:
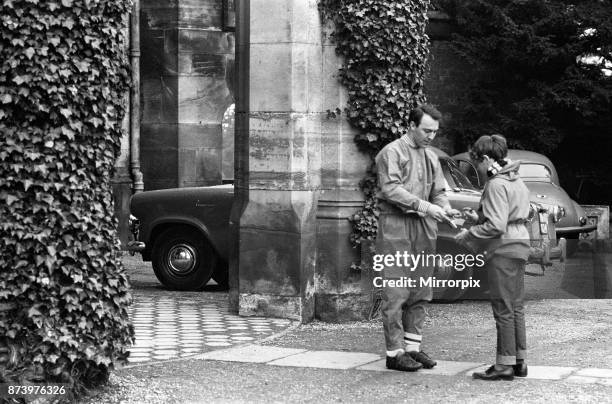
(394, 353)
(413, 342)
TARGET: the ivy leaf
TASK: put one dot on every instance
(33, 311)
(29, 52)
(10, 199)
(96, 122)
(6, 98)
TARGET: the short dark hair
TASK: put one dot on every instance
(494, 146)
(416, 114)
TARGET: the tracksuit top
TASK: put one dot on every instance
(410, 178)
(503, 212)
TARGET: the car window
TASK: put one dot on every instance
(531, 170)
(470, 172)
(454, 176)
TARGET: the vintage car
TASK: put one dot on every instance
(540, 176)
(185, 232)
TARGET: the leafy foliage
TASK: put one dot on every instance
(538, 78)
(63, 76)
(385, 51)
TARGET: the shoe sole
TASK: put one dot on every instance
(505, 378)
(406, 370)
(429, 367)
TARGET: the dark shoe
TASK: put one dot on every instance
(493, 374)
(403, 362)
(520, 370)
(423, 358)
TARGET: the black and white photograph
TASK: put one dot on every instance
(305, 201)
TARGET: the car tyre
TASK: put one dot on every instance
(183, 259)
(221, 275)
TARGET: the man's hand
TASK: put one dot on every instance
(437, 213)
(452, 212)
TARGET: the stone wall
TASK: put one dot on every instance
(187, 66)
(448, 79)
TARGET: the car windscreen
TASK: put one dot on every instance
(454, 176)
(532, 170)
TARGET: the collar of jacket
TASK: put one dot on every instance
(409, 141)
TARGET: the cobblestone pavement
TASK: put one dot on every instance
(169, 326)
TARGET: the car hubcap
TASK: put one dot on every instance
(182, 259)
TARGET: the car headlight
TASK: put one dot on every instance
(583, 220)
(558, 213)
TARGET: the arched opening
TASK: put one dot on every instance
(227, 147)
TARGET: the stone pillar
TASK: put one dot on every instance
(277, 245)
(241, 149)
(122, 180)
(341, 294)
(122, 184)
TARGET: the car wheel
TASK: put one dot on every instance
(221, 275)
(450, 294)
(182, 259)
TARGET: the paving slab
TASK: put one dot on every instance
(595, 372)
(589, 380)
(378, 366)
(443, 368)
(478, 369)
(250, 353)
(327, 359)
(548, 372)
(537, 372)
(449, 368)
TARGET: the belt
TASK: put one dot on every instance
(518, 221)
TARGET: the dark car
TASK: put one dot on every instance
(540, 176)
(185, 232)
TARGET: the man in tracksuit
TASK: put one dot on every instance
(412, 200)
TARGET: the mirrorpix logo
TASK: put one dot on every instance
(413, 261)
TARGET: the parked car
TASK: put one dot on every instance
(540, 176)
(185, 232)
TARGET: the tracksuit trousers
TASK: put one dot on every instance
(404, 308)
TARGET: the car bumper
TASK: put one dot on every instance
(574, 230)
(136, 246)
